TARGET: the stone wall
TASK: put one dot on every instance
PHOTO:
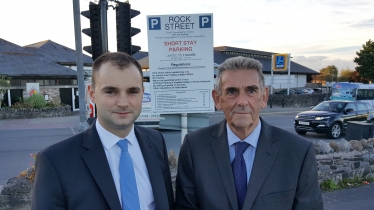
(21, 113)
(335, 160)
(297, 100)
(345, 160)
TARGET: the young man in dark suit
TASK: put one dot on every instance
(113, 164)
(243, 162)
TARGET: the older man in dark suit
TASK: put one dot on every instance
(243, 162)
(113, 164)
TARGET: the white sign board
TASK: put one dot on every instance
(32, 88)
(181, 63)
(146, 114)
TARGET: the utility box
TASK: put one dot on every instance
(359, 130)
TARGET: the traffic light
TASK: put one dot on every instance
(124, 13)
(96, 48)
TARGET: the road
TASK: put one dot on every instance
(16, 145)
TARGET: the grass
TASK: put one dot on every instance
(330, 185)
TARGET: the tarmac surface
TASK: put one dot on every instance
(73, 121)
(353, 198)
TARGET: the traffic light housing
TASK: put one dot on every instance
(96, 48)
(124, 13)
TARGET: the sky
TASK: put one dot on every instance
(317, 33)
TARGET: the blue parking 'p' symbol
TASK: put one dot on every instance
(205, 21)
(154, 23)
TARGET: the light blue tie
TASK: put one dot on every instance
(129, 190)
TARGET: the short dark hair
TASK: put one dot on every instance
(239, 63)
(119, 59)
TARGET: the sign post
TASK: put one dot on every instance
(181, 64)
(280, 62)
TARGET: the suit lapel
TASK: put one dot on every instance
(264, 159)
(97, 163)
(151, 159)
(222, 156)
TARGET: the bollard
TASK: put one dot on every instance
(283, 103)
(270, 101)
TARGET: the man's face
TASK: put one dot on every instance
(241, 100)
(118, 95)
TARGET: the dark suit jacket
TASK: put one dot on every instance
(75, 174)
(284, 173)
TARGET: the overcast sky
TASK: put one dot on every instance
(317, 33)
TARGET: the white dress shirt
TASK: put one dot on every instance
(113, 154)
(250, 152)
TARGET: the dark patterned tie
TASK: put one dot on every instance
(240, 172)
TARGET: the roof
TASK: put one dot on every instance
(139, 55)
(10, 48)
(57, 53)
(17, 65)
(222, 53)
(144, 62)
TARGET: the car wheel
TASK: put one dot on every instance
(334, 131)
(372, 121)
(300, 132)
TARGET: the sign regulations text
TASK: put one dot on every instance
(181, 63)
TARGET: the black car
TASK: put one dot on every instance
(331, 117)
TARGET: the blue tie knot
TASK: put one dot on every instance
(240, 148)
(123, 144)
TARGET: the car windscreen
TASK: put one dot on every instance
(330, 106)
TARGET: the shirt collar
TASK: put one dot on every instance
(251, 139)
(108, 139)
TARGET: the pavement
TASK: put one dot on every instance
(355, 198)
(73, 121)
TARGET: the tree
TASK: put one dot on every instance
(365, 61)
(328, 73)
(4, 84)
(355, 77)
(345, 74)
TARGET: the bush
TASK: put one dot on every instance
(51, 104)
(36, 101)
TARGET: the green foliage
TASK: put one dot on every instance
(365, 61)
(30, 103)
(355, 77)
(51, 104)
(22, 104)
(345, 74)
(328, 185)
(4, 84)
(329, 73)
(36, 101)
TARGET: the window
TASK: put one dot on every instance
(361, 107)
(351, 106)
(41, 83)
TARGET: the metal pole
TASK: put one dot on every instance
(9, 98)
(81, 88)
(289, 72)
(183, 125)
(104, 26)
(271, 69)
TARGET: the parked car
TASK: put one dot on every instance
(299, 91)
(370, 118)
(284, 92)
(331, 117)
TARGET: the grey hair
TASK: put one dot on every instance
(239, 63)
